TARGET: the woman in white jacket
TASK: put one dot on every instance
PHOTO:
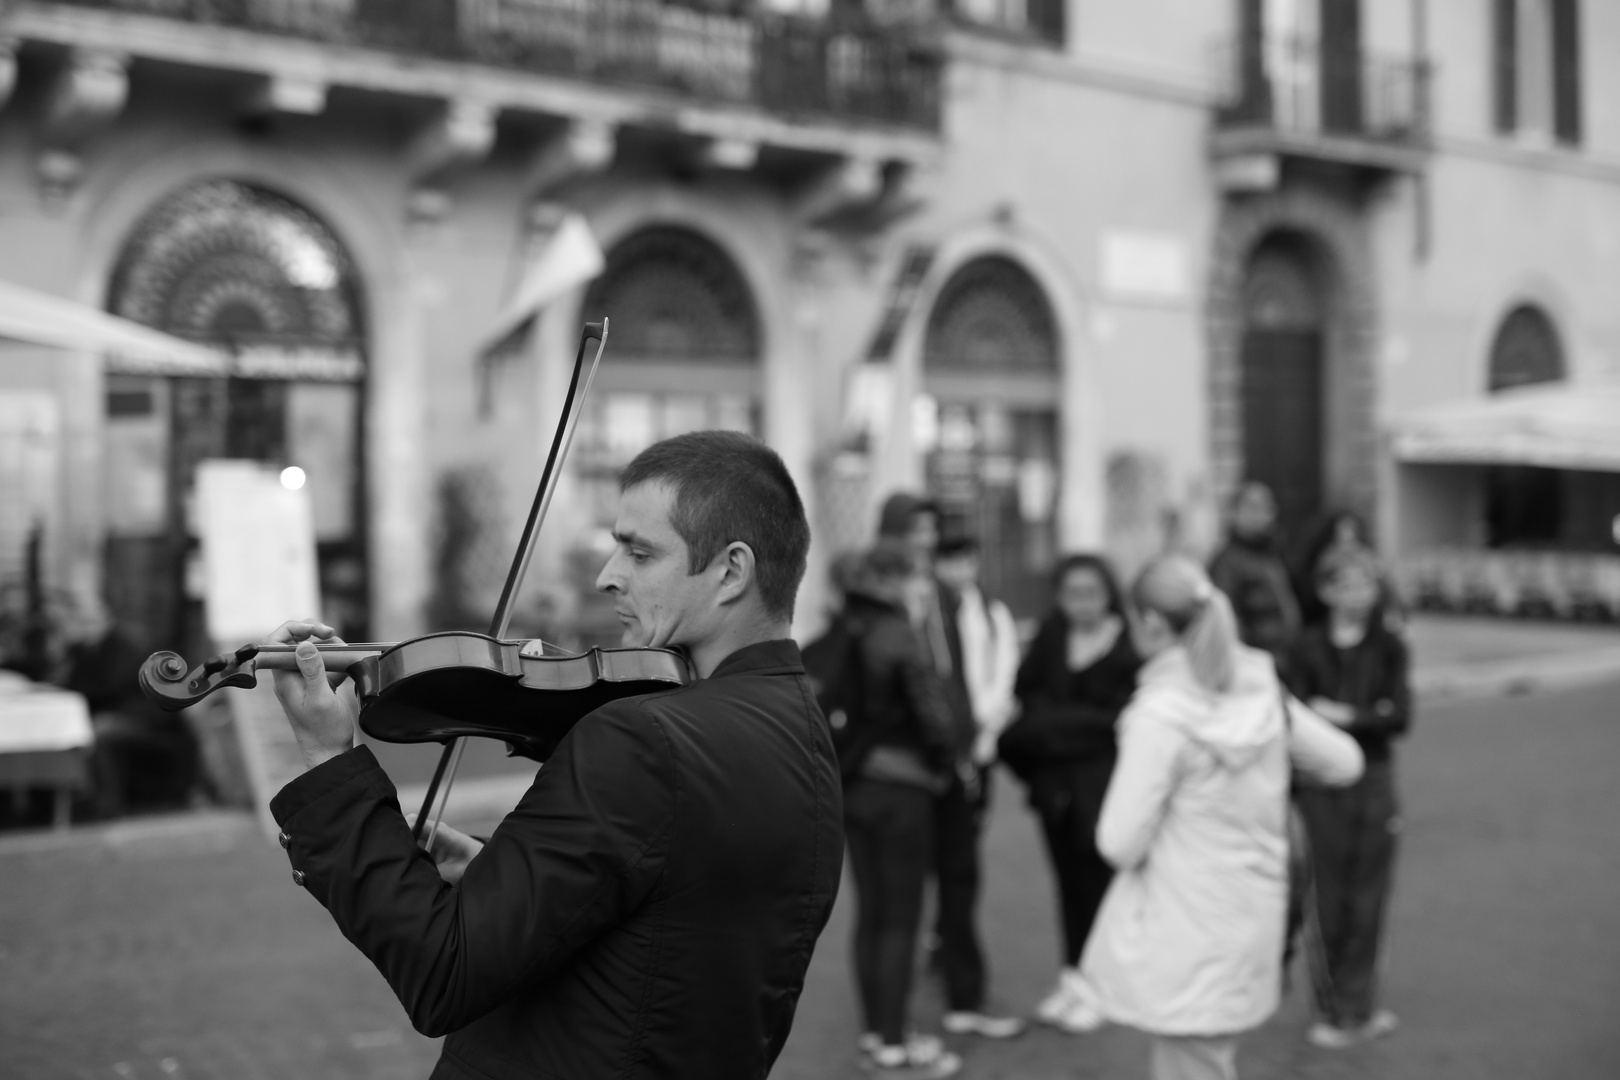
(1189, 940)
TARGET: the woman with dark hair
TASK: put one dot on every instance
(1334, 534)
(1079, 674)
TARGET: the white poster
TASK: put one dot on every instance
(258, 550)
(258, 554)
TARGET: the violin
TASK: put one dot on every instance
(445, 687)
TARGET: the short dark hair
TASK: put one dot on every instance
(1096, 564)
(730, 487)
(956, 545)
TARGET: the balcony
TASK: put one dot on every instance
(1307, 100)
(795, 69)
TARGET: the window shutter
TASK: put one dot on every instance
(1505, 66)
(1048, 19)
(1566, 71)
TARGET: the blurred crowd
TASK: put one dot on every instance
(1208, 755)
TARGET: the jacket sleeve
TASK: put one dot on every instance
(1319, 750)
(1139, 791)
(583, 849)
(1391, 712)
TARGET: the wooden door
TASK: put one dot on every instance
(1282, 419)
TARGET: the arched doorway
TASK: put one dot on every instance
(1524, 504)
(987, 422)
(229, 263)
(1282, 377)
(687, 346)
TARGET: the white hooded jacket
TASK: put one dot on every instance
(1189, 938)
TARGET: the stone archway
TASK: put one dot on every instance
(1333, 235)
(249, 269)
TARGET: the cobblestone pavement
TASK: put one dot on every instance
(190, 954)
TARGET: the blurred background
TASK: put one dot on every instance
(1076, 268)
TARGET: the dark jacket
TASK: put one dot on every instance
(902, 700)
(647, 910)
(1371, 677)
(1068, 717)
(1255, 578)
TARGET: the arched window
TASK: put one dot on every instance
(1526, 350)
(223, 261)
(672, 294)
(230, 263)
(991, 316)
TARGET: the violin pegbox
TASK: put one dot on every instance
(166, 681)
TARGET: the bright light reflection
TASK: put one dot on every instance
(292, 478)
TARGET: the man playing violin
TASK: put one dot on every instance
(650, 906)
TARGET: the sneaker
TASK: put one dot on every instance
(1054, 1005)
(868, 1041)
(982, 1024)
(1080, 1018)
(1325, 1036)
(922, 1057)
(1381, 1023)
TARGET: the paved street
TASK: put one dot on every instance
(187, 951)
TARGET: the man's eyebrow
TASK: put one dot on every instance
(630, 539)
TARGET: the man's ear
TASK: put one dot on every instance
(737, 568)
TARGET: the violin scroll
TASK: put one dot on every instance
(172, 687)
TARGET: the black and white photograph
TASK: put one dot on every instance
(809, 539)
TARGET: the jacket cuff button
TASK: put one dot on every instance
(284, 838)
(298, 878)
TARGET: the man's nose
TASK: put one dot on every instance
(609, 579)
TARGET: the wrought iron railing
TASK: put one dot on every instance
(1306, 86)
(794, 66)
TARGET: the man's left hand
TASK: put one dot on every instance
(322, 719)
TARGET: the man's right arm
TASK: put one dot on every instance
(581, 851)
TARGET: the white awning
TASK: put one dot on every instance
(569, 258)
(42, 319)
(1554, 425)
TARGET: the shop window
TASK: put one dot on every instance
(987, 424)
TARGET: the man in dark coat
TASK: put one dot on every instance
(650, 907)
(959, 811)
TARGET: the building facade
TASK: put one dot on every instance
(1077, 268)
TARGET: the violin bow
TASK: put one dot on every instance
(561, 440)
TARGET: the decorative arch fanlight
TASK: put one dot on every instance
(223, 261)
(1526, 350)
(673, 294)
(991, 315)
(1282, 290)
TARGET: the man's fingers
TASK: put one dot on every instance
(310, 664)
(296, 630)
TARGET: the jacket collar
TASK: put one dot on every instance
(780, 657)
